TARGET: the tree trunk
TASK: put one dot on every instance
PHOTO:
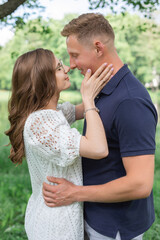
(9, 7)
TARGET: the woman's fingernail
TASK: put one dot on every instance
(88, 70)
(112, 69)
(105, 64)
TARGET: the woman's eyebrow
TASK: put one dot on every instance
(58, 65)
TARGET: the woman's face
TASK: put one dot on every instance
(62, 79)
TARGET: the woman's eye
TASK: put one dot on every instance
(59, 69)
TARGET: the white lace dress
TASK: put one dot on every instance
(52, 149)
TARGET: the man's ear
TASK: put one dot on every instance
(99, 48)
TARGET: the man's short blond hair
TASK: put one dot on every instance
(87, 26)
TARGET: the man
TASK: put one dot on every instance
(117, 190)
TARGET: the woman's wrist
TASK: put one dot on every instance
(89, 104)
(90, 109)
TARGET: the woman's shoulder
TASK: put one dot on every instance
(45, 117)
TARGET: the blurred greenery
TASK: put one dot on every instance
(131, 33)
(10, 16)
(145, 7)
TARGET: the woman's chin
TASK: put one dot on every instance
(68, 86)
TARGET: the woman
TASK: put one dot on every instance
(40, 130)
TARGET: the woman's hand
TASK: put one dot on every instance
(92, 85)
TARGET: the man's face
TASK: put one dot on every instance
(81, 57)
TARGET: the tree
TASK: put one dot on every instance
(8, 11)
(144, 6)
(37, 33)
(7, 8)
(142, 58)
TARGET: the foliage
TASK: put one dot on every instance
(143, 6)
(35, 34)
(8, 13)
(7, 8)
(131, 33)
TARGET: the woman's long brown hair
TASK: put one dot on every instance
(33, 85)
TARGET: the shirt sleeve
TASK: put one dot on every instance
(68, 110)
(135, 123)
(55, 141)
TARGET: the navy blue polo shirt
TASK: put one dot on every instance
(129, 118)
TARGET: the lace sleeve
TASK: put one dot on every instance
(68, 110)
(50, 136)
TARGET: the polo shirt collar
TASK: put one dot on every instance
(112, 84)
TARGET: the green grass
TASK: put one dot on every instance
(15, 187)
(154, 232)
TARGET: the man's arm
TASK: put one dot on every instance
(137, 184)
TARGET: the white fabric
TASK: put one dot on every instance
(94, 235)
(52, 149)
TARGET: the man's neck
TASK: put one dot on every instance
(116, 61)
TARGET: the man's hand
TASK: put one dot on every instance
(60, 194)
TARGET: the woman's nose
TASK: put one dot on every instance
(67, 69)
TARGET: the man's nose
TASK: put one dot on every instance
(72, 64)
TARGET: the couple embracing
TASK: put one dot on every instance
(100, 181)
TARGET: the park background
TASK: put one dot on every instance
(138, 44)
